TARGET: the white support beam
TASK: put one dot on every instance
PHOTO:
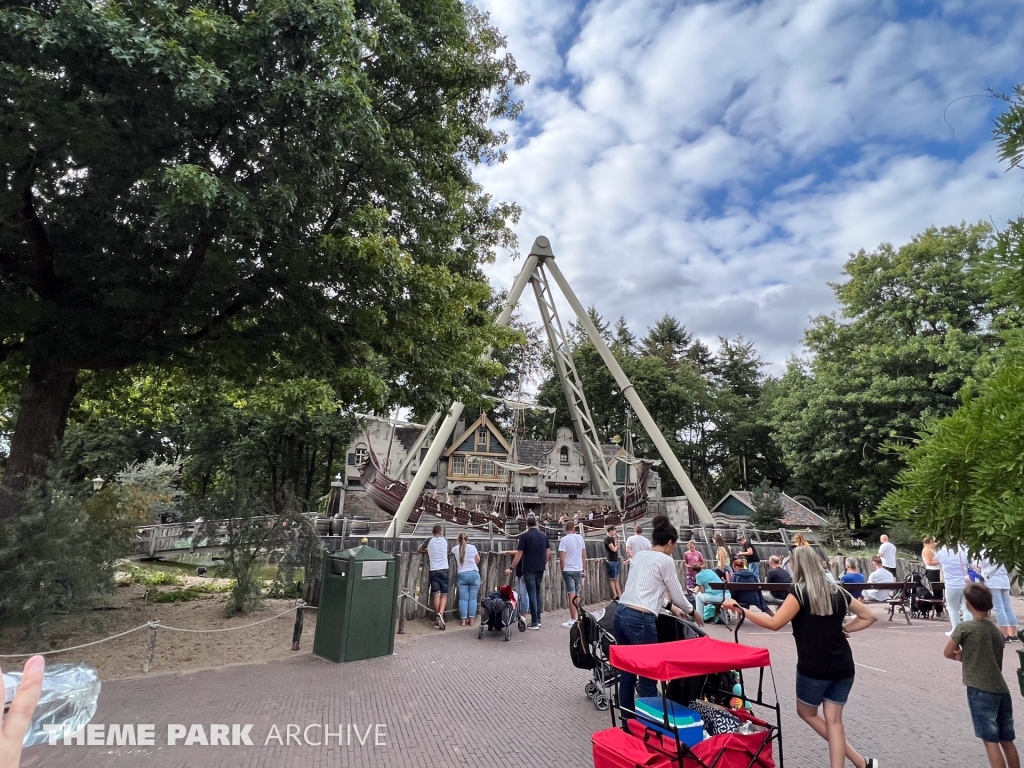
(415, 450)
(572, 387)
(634, 399)
(419, 480)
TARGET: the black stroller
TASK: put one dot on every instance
(593, 635)
(924, 602)
(501, 613)
(589, 640)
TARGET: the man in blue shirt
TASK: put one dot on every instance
(852, 576)
(533, 551)
(748, 598)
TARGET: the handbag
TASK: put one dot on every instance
(973, 574)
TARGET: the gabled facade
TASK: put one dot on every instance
(470, 462)
(737, 506)
(470, 465)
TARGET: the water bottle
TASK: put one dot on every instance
(69, 698)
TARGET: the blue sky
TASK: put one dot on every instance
(720, 160)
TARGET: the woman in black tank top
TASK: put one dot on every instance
(824, 667)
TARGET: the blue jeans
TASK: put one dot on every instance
(524, 597)
(533, 581)
(992, 715)
(633, 627)
(572, 580)
(469, 587)
(1004, 608)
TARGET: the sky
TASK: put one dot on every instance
(720, 160)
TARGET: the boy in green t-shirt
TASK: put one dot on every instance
(978, 645)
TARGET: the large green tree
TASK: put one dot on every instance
(245, 183)
(914, 322)
(964, 477)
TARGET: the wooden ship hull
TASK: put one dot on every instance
(387, 493)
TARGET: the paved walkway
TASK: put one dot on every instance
(448, 699)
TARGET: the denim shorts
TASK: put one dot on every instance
(812, 692)
(439, 582)
(612, 567)
(992, 715)
(573, 580)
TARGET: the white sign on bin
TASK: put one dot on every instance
(375, 569)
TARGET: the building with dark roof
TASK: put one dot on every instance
(737, 507)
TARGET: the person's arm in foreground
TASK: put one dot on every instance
(782, 617)
(952, 650)
(681, 606)
(863, 617)
(18, 719)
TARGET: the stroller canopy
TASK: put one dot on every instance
(686, 658)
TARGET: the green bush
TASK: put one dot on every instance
(149, 578)
(173, 595)
(60, 553)
(252, 528)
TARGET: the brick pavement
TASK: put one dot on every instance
(449, 699)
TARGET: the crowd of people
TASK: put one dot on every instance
(817, 606)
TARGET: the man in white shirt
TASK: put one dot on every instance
(637, 542)
(880, 575)
(437, 549)
(572, 557)
(888, 554)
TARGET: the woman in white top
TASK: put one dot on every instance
(998, 580)
(468, 578)
(953, 563)
(652, 576)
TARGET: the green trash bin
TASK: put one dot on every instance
(358, 598)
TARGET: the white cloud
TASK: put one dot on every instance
(719, 160)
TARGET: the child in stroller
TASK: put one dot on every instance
(501, 612)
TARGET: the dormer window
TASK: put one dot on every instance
(563, 455)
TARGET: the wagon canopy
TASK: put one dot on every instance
(687, 658)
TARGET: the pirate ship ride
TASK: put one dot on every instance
(407, 502)
(508, 510)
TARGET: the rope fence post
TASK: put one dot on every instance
(147, 663)
(297, 631)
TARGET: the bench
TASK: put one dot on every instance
(899, 592)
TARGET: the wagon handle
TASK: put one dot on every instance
(736, 631)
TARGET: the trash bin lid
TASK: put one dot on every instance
(362, 552)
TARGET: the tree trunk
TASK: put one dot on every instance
(42, 416)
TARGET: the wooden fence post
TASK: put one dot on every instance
(297, 630)
(147, 663)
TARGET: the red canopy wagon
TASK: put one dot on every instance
(661, 745)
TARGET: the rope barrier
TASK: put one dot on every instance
(300, 604)
(74, 647)
(156, 623)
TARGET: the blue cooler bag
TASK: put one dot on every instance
(651, 711)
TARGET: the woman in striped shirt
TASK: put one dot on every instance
(652, 575)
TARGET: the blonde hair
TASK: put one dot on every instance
(800, 541)
(809, 576)
(928, 540)
(463, 540)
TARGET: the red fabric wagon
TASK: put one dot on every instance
(662, 746)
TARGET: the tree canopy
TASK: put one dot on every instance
(915, 320)
(283, 185)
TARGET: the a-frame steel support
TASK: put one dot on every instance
(540, 262)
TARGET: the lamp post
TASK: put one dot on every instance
(97, 484)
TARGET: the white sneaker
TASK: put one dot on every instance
(568, 624)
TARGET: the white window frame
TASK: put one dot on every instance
(458, 464)
(362, 455)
